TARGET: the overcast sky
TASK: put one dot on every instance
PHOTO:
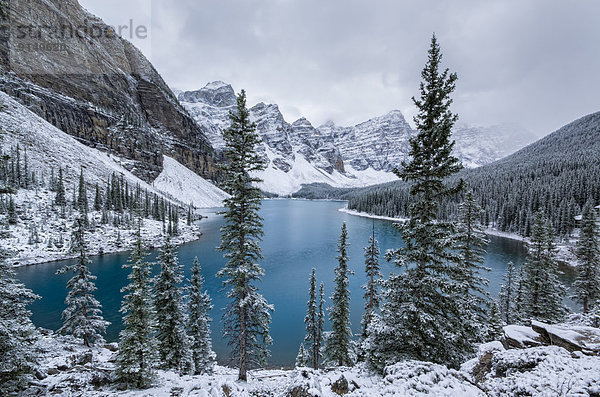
(536, 63)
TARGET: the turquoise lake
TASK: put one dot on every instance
(299, 235)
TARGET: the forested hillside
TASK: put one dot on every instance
(558, 174)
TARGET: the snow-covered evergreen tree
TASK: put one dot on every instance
(508, 295)
(421, 317)
(136, 358)
(544, 290)
(98, 199)
(312, 325)
(520, 312)
(472, 293)
(12, 218)
(60, 199)
(302, 359)
(17, 334)
(587, 284)
(337, 345)
(82, 200)
(372, 269)
(248, 315)
(83, 316)
(495, 323)
(173, 342)
(320, 323)
(203, 356)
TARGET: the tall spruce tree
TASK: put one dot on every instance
(83, 316)
(60, 198)
(248, 315)
(472, 293)
(173, 342)
(545, 292)
(98, 199)
(337, 345)
(587, 283)
(17, 333)
(312, 325)
(508, 295)
(421, 316)
(12, 216)
(320, 323)
(520, 312)
(136, 358)
(82, 200)
(203, 356)
(374, 276)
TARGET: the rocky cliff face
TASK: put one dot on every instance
(360, 155)
(380, 143)
(282, 142)
(100, 89)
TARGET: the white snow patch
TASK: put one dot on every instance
(184, 185)
(367, 215)
(303, 172)
(522, 334)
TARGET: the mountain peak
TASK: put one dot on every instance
(216, 93)
(302, 121)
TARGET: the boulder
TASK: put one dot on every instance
(340, 386)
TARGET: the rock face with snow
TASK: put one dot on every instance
(380, 143)
(361, 155)
(296, 153)
(481, 145)
(102, 90)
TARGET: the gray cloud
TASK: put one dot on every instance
(534, 62)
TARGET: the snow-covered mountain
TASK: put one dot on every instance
(48, 147)
(38, 232)
(481, 145)
(296, 153)
(356, 156)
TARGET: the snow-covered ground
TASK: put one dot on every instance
(67, 368)
(371, 216)
(53, 232)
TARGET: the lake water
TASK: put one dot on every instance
(299, 235)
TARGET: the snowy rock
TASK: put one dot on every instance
(340, 386)
(486, 349)
(216, 94)
(571, 338)
(520, 336)
(483, 364)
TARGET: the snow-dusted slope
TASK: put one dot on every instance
(180, 182)
(48, 147)
(301, 171)
(481, 145)
(42, 233)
